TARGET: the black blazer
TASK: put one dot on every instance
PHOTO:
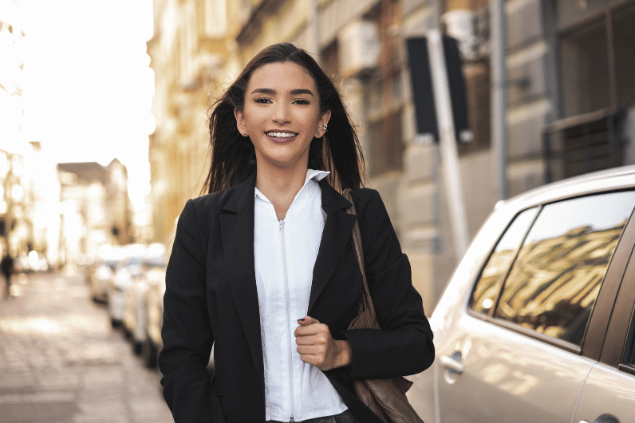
(211, 298)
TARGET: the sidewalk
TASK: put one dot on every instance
(60, 361)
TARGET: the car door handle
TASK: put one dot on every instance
(452, 363)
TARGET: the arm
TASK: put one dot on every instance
(404, 345)
(187, 333)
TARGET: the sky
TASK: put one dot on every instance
(87, 83)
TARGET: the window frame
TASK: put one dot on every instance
(607, 14)
(505, 274)
(620, 334)
(596, 329)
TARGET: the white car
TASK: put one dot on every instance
(135, 318)
(129, 267)
(102, 271)
(537, 323)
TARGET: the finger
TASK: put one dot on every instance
(307, 320)
(309, 359)
(311, 340)
(314, 360)
(314, 329)
(310, 350)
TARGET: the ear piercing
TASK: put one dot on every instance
(324, 126)
(244, 133)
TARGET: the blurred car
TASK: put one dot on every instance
(129, 267)
(101, 272)
(31, 262)
(154, 312)
(154, 309)
(154, 316)
(135, 313)
(537, 323)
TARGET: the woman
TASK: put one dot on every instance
(263, 267)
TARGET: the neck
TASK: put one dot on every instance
(280, 185)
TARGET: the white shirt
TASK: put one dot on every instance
(285, 253)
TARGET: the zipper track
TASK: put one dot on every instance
(288, 306)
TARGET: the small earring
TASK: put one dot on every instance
(244, 133)
(324, 126)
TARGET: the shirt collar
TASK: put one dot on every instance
(316, 175)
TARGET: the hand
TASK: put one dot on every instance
(317, 347)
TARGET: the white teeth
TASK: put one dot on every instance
(281, 134)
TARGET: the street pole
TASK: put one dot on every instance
(498, 42)
(447, 135)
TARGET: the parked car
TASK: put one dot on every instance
(154, 316)
(101, 271)
(537, 323)
(135, 319)
(154, 308)
(154, 312)
(131, 266)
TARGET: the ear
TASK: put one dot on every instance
(240, 121)
(324, 120)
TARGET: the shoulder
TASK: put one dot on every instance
(367, 201)
(233, 199)
(216, 201)
(199, 213)
(364, 196)
(213, 201)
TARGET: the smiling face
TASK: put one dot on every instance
(281, 114)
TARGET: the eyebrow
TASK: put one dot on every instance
(293, 92)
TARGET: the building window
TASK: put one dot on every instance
(623, 36)
(584, 69)
(596, 60)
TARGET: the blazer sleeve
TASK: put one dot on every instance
(404, 345)
(187, 333)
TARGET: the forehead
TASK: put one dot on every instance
(281, 77)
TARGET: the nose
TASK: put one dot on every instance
(281, 113)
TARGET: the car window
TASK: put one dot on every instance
(555, 280)
(629, 356)
(489, 284)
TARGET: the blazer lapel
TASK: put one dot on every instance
(237, 228)
(337, 232)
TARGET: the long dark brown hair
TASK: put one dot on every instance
(233, 155)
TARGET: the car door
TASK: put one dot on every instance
(608, 395)
(528, 338)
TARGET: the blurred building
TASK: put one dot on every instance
(189, 52)
(11, 76)
(570, 106)
(94, 209)
(14, 222)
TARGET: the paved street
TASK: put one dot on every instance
(60, 361)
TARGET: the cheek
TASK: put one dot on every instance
(253, 117)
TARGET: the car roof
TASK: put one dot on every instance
(614, 179)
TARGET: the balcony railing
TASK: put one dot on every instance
(582, 144)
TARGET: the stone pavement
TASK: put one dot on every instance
(60, 361)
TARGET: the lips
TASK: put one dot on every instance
(281, 136)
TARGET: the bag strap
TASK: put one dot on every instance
(366, 304)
